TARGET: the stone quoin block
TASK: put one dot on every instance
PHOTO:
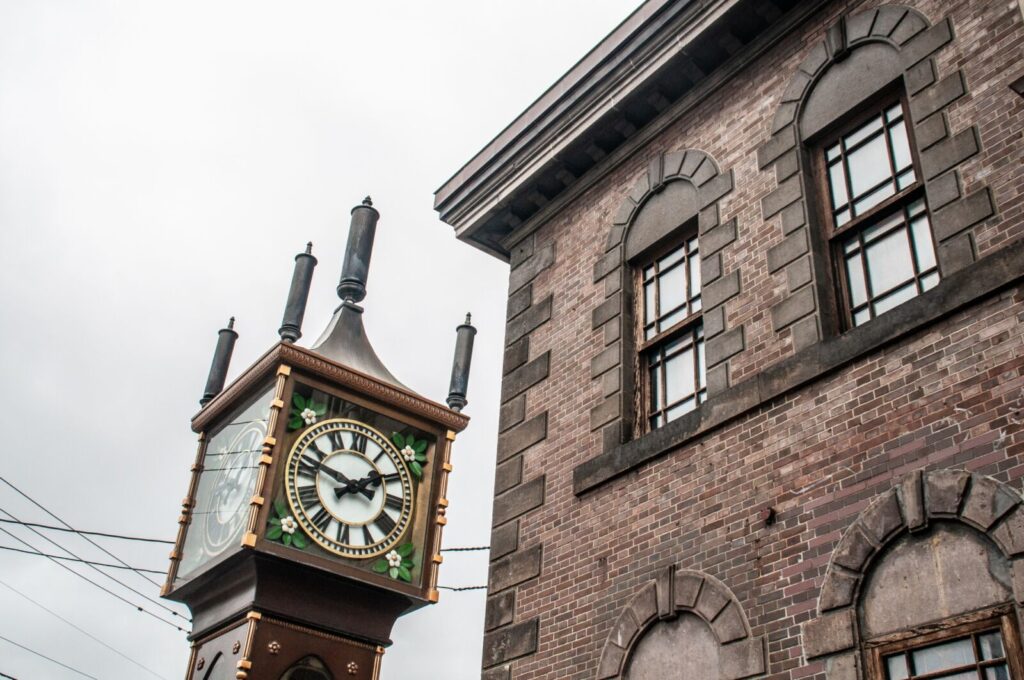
(508, 474)
(510, 643)
(518, 501)
(504, 540)
(829, 633)
(514, 569)
(500, 610)
(525, 377)
(522, 436)
(529, 320)
(512, 412)
(531, 267)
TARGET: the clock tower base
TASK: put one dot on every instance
(257, 646)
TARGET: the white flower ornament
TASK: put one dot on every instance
(289, 525)
(409, 454)
(308, 415)
(394, 559)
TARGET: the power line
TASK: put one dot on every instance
(9, 677)
(94, 568)
(32, 651)
(80, 630)
(104, 589)
(82, 532)
(479, 547)
(89, 540)
(463, 588)
(76, 559)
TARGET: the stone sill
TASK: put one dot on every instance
(978, 280)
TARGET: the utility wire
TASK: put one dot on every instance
(80, 630)
(32, 651)
(94, 543)
(463, 588)
(9, 677)
(76, 559)
(97, 569)
(82, 532)
(103, 588)
(479, 547)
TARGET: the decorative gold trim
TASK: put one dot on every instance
(450, 435)
(437, 559)
(249, 540)
(270, 441)
(244, 664)
(442, 520)
(447, 467)
(285, 371)
(320, 634)
(433, 595)
(443, 502)
(277, 403)
(256, 500)
(254, 615)
(266, 460)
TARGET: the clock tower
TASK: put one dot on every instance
(314, 514)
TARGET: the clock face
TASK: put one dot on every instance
(349, 488)
(226, 484)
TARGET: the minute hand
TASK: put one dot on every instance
(350, 486)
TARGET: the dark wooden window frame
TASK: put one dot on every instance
(834, 236)
(646, 348)
(999, 618)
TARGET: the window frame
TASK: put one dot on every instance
(645, 348)
(1002, 618)
(835, 236)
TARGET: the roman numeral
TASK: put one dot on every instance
(393, 477)
(359, 442)
(343, 533)
(322, 519)
(336, 441)
(367, 537)
(308, 496)
(308, 467)
(393, 502)
(377, 458)
(384, 523)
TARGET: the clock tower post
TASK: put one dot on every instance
(317, 500)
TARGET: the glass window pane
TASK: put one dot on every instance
(879, 228)
(655, 383)
(862, 316)
(997, 673)
(702, 370)
(868, 165)
(930, 281)
(670, 259)
(894, 112)
(896, 298)
(648, 272)
(860, 134)
(991, 645)
(691, 246)
(649, 308)
(896, 667)
(695, 304)
(680, 409)
(923, 243)
(889, 262)
(837, 183)
(874, 198)
(906, 179)
(679, 377)
(941, 656)
(916, 207)
(672, 290)
(832, 153)
(674, 318)
(694, 266)
(900, 146)
(842, 218)
(855, 281)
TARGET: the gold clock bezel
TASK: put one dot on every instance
(405, 520)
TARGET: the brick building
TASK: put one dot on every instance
(763, 388)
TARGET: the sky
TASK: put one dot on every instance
(160, 166)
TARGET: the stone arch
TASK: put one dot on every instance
(939, 497)
(861, 55)
(675, 188)
(680, 592)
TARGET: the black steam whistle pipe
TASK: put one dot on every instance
(298, 294)
(221, 359)
(460, 365)
(354, 270)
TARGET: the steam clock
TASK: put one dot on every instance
(314, 514)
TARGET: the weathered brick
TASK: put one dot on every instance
(523, 436)
(518, 501)
(510, 643)
(526, 376)
(514, 569)
(528, 320)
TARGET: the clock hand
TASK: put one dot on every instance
(351, 486)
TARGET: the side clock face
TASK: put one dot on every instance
(349, 488)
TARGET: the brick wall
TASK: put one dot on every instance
(944, 392)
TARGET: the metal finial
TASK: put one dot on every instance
(460, 365)
(221, 360)
(469, 318)
(356, 266)
(298, 293)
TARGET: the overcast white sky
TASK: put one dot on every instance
(160, 165)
